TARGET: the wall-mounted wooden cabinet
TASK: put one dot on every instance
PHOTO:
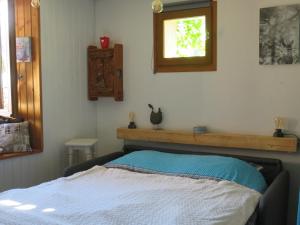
(105, 72)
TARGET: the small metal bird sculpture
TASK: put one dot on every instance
(155, 117)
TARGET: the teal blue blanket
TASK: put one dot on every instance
(194, 166)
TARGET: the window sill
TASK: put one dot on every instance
(18, 154)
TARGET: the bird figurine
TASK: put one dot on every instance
(155, 117)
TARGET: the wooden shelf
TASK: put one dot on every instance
(257, 142)
(18, 154)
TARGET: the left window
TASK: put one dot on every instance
(21, 80)
(6, 108)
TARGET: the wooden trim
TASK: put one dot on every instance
(37, 137)
(13, 66)
(192, 64)
(241, 141)
(187, 68)
(214, 30)
(155, 44)
(18, 154)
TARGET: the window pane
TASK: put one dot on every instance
(185, 37)
(5, 56)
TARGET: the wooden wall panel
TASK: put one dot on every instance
(37, 95)
(29, 74)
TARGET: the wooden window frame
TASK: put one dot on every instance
(12, 53)
(13, 66)
(26, 77)
(12, 58)
(186, 64)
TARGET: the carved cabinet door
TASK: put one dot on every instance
(104, 77)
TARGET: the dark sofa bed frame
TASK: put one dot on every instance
(272, 207)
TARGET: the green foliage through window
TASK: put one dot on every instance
(190, 37)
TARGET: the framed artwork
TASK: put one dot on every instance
(279, 35)
(23, 48)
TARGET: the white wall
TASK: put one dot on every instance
(241, 96)
(67, 28)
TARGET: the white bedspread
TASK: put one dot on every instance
(101, 196)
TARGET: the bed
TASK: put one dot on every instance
(110, 190)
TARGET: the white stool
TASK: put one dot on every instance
(82, 144)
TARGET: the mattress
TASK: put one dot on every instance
(112, 196)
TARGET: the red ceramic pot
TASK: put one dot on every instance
(104, 41)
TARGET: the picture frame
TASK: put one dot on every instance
(23, 50)
(279, 38)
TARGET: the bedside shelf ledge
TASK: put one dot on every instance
(242, 141)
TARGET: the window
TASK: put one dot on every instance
(5, 74)
(24, 77)
(185, 37)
